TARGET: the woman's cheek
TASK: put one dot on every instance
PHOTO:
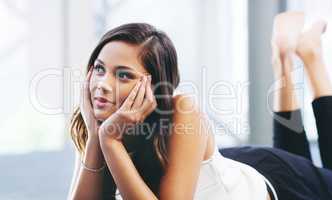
(92, 82)
(124, 91)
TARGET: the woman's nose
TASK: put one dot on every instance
(104, 86)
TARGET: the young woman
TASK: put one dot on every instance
(136, 140)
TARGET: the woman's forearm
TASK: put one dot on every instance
(89, 184)
(128, 181)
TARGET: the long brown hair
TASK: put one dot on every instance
(159, 58)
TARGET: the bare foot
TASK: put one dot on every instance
(309, 47)
(286, 30)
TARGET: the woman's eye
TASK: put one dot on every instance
(99, 68)
(123, 75)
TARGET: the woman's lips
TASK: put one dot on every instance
(101, 102)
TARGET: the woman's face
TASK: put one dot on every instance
(115, 72)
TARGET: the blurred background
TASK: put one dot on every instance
(223, 49)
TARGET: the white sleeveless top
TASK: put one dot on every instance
(223, 178)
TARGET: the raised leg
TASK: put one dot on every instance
(309, 49)
(288, 128)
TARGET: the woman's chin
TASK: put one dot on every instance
(101, 115)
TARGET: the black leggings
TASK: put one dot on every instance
(288, 165)
(290, 135)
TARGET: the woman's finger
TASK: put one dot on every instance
(127, 104)
(149, 103)
(86, 102)
(140, 95)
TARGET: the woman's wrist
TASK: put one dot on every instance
(92, 139)
(106, 140)
(93, 157)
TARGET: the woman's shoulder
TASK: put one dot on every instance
(185, 102)
(187, 113)
(186, 110)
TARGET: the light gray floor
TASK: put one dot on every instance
(45, 175)
(36, 176)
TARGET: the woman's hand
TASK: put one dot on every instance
(86, 109)
(137, 106)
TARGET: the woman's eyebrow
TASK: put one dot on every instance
(117, 66)
(123, 67)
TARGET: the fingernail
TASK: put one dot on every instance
(149, 77)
